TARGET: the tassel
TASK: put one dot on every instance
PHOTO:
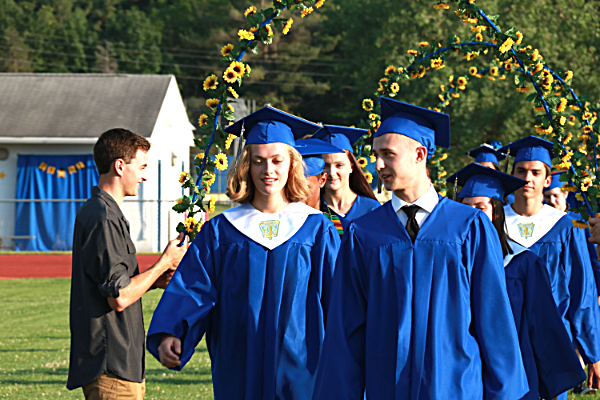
(455, 189)
(379, 190)
(507, 160)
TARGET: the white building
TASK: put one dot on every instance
(63, 114)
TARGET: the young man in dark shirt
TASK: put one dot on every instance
(107, 328)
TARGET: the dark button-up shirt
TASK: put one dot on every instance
(103, 340)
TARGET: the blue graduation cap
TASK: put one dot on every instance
(487, 153)
(531, 148)
(556, 183)
(270, 125)
(312, 151)
(428, 127)
(480, 181)
(341, 137)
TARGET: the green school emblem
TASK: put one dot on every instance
(269, 229)
(526, 230)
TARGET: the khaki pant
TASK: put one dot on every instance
(111, 387)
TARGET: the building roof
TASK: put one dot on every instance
(79, 105)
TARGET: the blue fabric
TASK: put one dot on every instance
(340, 136)
(51, 223)
(428, 127)
(313, 165)
(263, 311)
(361, 206)
(531, 148)
(485, 186)
(487, 153)
(312, 151)
(550, 361)
(591, 250)
(429, 320)
(481, 181)
(555, 183)
(566, 256)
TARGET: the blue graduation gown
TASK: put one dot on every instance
(263, 311)
(361, 206)
(549, 358)
(565, 254)
(428, 320)
(591, 249)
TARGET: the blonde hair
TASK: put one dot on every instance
(240, 187)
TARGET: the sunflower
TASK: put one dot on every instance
(519, 37)
(461, 81)
(306, 12)
(319, 3)
(508, 67)
(390, 70)
(421, 71)
(230, 76)
(423, 44)
(369, 177)
(372, 159)
(473, 71)
(491, 78)
(568, 138)
(244, 34)
(569, 75)
(209, 178)
(367, 104)
(479, 37)
(211, 82)
(249, 11)
(587, 129)
(229, 140)
(237, 67)
(203, 120)
(248, 69)
(191, 225)
(212, 103)
(580, 224)
(226, 50)
(200, 156)
(494, 71)
(183, 177)
(544, 131)
(437, 63)
(233, 92)
(535, 55)
(221, 161)
(586, 115)
(211, 204)
(362, 162)
(395, 87)
(269, 30)
(506, 46)
(479, 28)
(562, 105)
(287, 26)
(441, 6)
(411, 52)
(230, 108)
(586, 183)
(455, 95)
(562, 121)
(372, 117)
(470, 55)
(538, 67)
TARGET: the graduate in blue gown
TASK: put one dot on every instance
(488, 155)
(256, 280)
(347, 192)
(419, 308)
(562, 200)
(549, 358)
(550, 234)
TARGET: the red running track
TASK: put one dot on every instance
(13, 266)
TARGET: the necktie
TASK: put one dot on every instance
(412, 227)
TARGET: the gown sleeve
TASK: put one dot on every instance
(341, 371)
(583, 312)
(188, 299)
(593, 258)
(555, 359)
(503, 373)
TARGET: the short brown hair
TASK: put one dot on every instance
(240, 187)
(117, 143)
(546, 168)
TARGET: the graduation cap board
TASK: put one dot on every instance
(428, 127)
(270, 125)
(531, 148)
(342, 137)
(480, 181)
(312, 151)
(487, 153)
(556, 183)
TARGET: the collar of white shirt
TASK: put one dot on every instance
(426, 202)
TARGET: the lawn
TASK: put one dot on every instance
(34, 347)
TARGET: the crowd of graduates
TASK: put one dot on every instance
(311, 289)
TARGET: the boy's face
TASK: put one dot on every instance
(556, 198)
(534, 172)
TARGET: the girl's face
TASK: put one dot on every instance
(269, 167)
(482, 203)
(338, 169)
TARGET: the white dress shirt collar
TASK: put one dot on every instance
(426, 202)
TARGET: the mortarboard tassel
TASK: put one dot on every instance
(507, 159)
(455, 188)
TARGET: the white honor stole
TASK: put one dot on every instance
(526, 231)
(269, 230)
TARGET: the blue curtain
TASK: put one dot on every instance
(51, 177)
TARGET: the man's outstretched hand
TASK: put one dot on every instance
(169, 352)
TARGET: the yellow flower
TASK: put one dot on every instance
(209, 178)
(442, 98)
(587, 129)
(564, 165)
(372, 159)
(437, 63)
(250, 11)
(383, 80)
(212, 103)
(233, 92)
(190, 225)
(580, 224)
(442, 88)
(544, 131)
(562, 121)
(562, 105)
(230, 107)
(229, 140)
(369, 177)
(306, 12)
(508, 67)
(451, 78)
(574, 107)
(237, 67)
(390, 70)
(519, 37)
(569, 75)
(421, 71)
(207, 189)
(400, 70)
(319, 3)
(535, 55)
(441, 6)
(578, 196)
(506, 46)
(443, 156)
(244, 34)
(230, 76)
(211, 82)
(538, 67)
(367, 104)
(479, 37)
(269, 30)
(572, 120)
(470, 55)
(494, 71)
(412, 52)
(226, 50)
(586, 115)
(395, 87)
(221, 161)
(200, 156)
(455, 95)
(362, 162)
(211, 204)
(461, 81)
(473, 70)
(586, 183)
(479, 28)
(287, 26)
(372, 117)
(203, 120)
(568, 138)
(423, 44)
(183, 177)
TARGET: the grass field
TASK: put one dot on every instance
(34, 347)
